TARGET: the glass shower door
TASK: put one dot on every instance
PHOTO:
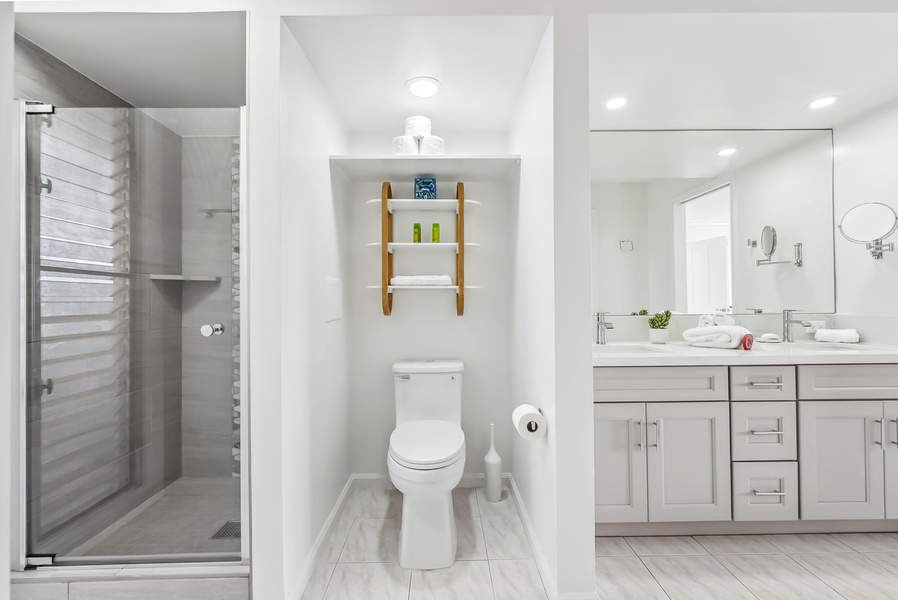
(131, 454)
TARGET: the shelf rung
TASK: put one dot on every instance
(445, 204)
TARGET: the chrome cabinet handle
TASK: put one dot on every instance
(657, 425)
(757, 493)
(758, 432)
(47, 386)
(641, 443)
(882, 432)
(765, 384)
(895, 421)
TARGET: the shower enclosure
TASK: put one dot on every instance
(133, 433)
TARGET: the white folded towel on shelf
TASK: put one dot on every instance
(404, 145)
(706, 321)
(422, 280)
(849, 336)
(722, 318)
(433, 145)
(716, 336)
(417, 126)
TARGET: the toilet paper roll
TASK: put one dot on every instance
(531, 425)
(418, 126)
(405, 145)
(433, 145)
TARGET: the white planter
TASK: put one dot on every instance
(658, 336)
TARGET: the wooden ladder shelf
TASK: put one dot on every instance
(386, 257)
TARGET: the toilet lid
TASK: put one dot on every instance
(427, 444)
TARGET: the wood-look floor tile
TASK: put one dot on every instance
(505, 538)
(671, 545)
(464, 579)
(372, 540)
(816, 543)
(471, 545)
(736, 544)
(625, 578)
(853, 575)
(613, 546)
(516, 580)
(869, 542)
(371, 581)
(777, 577)
(696, 578)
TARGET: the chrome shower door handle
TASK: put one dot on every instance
(48, 385)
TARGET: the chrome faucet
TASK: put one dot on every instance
(788, 321)
(601, 326)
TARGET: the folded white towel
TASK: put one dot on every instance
(716, 336)
(706, 321)
(423, 280)
(849, 336)
(721, 318)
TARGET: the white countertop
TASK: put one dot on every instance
(645, 354)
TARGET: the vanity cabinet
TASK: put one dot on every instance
(662, 462)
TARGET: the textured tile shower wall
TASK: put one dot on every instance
(207, 249)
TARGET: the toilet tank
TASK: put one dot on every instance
(428, 390)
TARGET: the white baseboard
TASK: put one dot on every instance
(538, 556)
(312, 561)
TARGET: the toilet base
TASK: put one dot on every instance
(428, 537)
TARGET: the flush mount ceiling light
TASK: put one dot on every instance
(615, 103)
(822, 102)
(423, 87)
(727, 152)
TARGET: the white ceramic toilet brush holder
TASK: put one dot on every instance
(492, 471)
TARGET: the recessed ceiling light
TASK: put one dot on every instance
(423, 87)
(615, 103)
(727, 152)
(822, 102)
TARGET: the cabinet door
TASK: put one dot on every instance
(620, 478)
(841, 473)
(890, 448)
(688, 461)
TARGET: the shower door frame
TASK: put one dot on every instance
(18, 441)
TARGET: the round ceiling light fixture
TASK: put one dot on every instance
(726, 152)
(616, 103)
(423, 87)
(823, 102)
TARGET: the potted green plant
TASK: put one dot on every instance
(658, 327)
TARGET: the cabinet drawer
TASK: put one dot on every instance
(659, 384)
(765, 491)
(847, 382)
(762, 383)
(764, 431)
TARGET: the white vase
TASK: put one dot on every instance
(658, 336)
(492, 472)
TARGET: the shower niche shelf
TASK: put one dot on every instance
(198, 278)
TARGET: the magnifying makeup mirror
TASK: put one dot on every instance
(870, 223)
(768, 241)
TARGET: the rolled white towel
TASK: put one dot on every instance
(418, 126)
(422, 280)
(716, 336)
(721, 318)
(706, 321)
(433, 145)
(404, 145)
(848, 336)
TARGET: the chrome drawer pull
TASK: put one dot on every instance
(757, 432)
(641, 443)
(757, 493)
(765, 384)
(895, 421)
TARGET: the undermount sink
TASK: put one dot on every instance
(814, 347)
(606, 349)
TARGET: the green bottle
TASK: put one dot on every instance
(416, 233)
(435, 235)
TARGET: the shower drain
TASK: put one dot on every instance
(229, 530)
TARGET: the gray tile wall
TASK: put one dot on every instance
(207, 364)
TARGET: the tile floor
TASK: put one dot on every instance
(179, 520)
(854, 566)
(360, 559)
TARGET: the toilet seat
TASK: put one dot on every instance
(427, 445)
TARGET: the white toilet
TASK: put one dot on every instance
(427, 458)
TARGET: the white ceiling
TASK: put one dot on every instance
(150, 59)
(693, 71)
(364, 63)
(650, 155)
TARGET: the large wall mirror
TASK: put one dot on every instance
(697, 221)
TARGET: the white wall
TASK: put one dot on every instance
(791, 191)
(865, 171)
(9, 300)
(620, 283)
(314, 353)
(533, 305)
(425, 324)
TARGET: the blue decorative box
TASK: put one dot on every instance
(425, 187)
